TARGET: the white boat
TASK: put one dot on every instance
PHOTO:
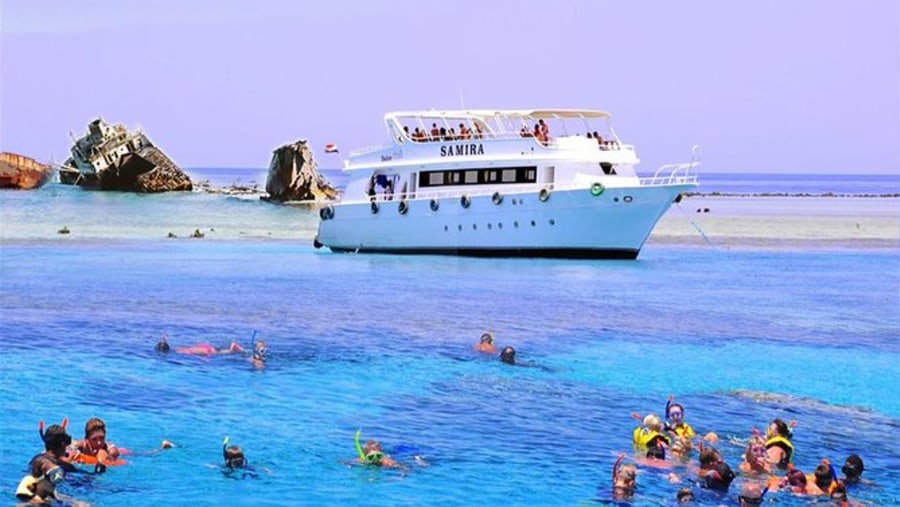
(511, 183)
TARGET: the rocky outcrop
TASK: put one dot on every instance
(293, 176)
(19, 171)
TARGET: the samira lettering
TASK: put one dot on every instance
(462, 149)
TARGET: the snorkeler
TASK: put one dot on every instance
(756, 460)
(205, 349)
(649, 435)
(236, 462)
(371, 454)
(675, 420)
(508, 355)
(779, 449)
(260, 354)
(714, 472)
(94, 449)
(751, 495)
(853, 469)
(486, 344)
(48, 469)
(162, 346)
(624, 479)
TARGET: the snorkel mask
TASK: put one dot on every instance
(234, 459)
(487, 338)
(261, 354)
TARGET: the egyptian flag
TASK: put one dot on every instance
(331, 148)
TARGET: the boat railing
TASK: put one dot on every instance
(671, 174)
(552, 142)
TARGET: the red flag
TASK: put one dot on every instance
(331, 148)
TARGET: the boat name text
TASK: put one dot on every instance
(462, 149)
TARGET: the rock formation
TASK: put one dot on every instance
(293, 176)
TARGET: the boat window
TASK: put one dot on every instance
(478, 176)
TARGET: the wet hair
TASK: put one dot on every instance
(487, 337)
(722, 477)
(684, 495)
(234, 457)
(823, 476)
(656, 452)
(796, 478)
(508, 355)
(782, 428)
(839, 491)
(652, 422)
(679, 405)
(56, 438)
(853, 467)
(162, 346)
(708, 457)
(93, 425)
(626, 473)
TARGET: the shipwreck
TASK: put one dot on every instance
(109, 157)
(19, 171)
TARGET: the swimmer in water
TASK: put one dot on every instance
(751, 495)
(624, 479)
(508, 355)
(371, 454)
(95, 445)
(486, 344)
(756, 461)
(47, 469)
(260, 354)
(205, 349)
(675, 420)
(236, 462)
(714, 473)
(779, 449)
(853, 469)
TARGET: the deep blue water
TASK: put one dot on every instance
(383, 344)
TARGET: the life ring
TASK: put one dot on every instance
(402, 208)
(435, 204)
(374, 207)
(543, 195)
(326, 213)
(464, 201)
(497, 198)
(597, 189)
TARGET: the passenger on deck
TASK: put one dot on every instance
(443, 134)
(538, 134)
(418, 136)
(525, 132)
(464, 133)
(545, 130)
(478, 132)
(599, 139)
(406, 134)
(453, 135)
(435, 132)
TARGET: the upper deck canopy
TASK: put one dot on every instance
(486, 114)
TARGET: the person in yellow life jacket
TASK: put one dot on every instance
(779, 449)
(675, 420)
(649, 434)
(823, 480)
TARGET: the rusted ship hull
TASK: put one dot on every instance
(19, 171)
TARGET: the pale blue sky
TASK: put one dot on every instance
(763, 86)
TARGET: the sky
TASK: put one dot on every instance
(794, 86)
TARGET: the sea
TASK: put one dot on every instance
(383, 345)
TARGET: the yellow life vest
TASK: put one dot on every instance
(684, 430)
(784, 444)
(645, 438)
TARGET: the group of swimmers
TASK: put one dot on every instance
(63, 455)
(663, 445)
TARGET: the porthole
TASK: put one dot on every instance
(516, 225)
(489, 226)
(499, 225)
(459, 226)
(474, 227)
(446, 228)
(533, 223)
(615, 199)
(552, 222)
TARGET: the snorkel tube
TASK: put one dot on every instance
(225, 449)
(615, 470)
(669, 405)
(64, 424)
(359, 449)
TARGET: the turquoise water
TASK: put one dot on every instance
(383, 344)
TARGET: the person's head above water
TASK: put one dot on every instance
(260, 351)
(234, 455)
(652, 422)
(163, 345)
(487, 338)
(853, 468)
(56, 439)
(508, 355)
(373, 455)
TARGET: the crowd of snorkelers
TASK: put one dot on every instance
(767, 464)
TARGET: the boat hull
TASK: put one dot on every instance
(570, 223)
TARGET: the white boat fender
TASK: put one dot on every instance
(497, 198)
(597, 189)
